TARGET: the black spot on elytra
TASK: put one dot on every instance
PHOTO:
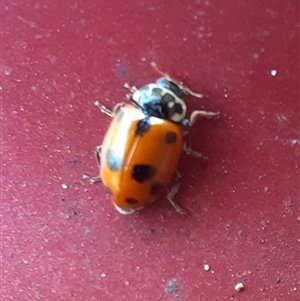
(170, 137)
(114, 162)
(131, 201)
(156, 188)
(142, 173)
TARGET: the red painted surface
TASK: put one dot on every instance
(242, 203)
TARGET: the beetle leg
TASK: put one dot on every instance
(95, 179)
(170, 197)
(177, 176)
(185, 89)
(132, 89)
(200, 113)
(103, 109)
(92, 180)
(193, 153)
(195, 114)
(130, 96)
(107, 111)
(97, 154)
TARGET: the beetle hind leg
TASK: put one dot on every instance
(92, 180)
(193, 153)
(170, 197)
(97, 154)
(95, 179)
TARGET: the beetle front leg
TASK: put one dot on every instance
(103, 109)
(132, 89)
(134, 95)
(107, 111)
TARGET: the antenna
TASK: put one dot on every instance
(186, 89)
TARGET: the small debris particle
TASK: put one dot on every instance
(25, 261)
(206, 267)
(273, 72)
(172, 286)
(73, 161)
(73, 210)
(67, 216)
(103, 275)
(64, 186)
(239, 286)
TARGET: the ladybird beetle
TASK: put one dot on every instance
(140, 152)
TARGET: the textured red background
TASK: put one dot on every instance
(242, 203)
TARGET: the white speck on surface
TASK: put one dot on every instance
(103, 275)
(67, 216)
(294, 141)
(64, 186)
(25, 261)
(206, 267)
(238, 287)
(274, 72)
